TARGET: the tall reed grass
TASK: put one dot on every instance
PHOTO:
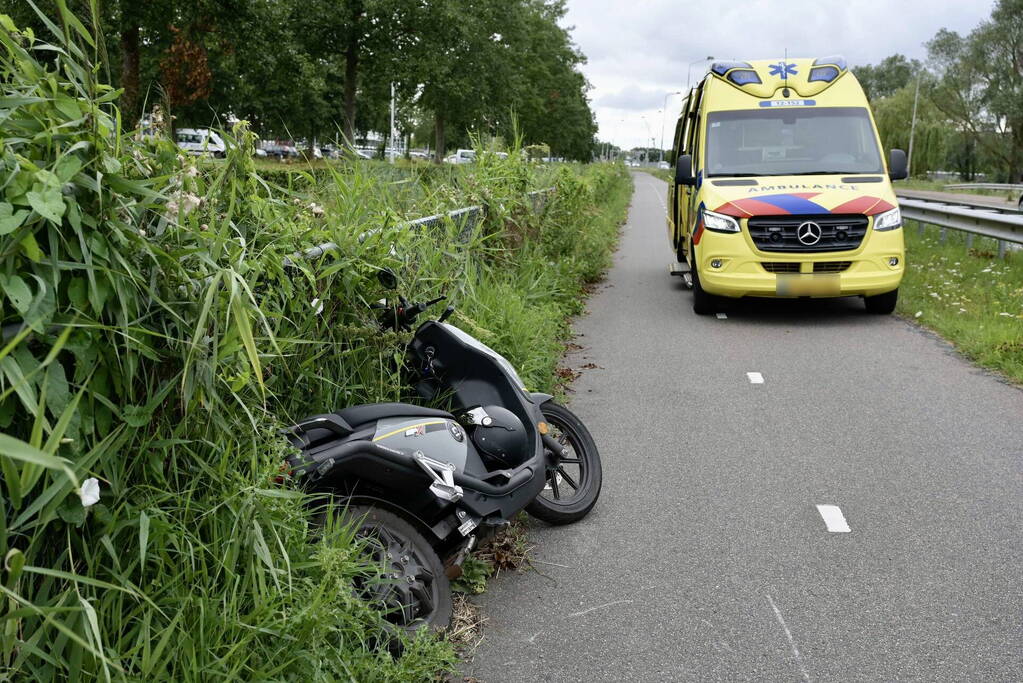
(157, 342)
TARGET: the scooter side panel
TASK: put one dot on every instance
(438, 438)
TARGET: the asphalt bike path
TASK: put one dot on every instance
(707, 557)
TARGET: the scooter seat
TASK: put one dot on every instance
(360, 415)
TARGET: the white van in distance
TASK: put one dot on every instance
(200, 141)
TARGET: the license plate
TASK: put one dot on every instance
(808, 284)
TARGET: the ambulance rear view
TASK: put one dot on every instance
(781, 189)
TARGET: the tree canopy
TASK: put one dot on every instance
(970, 109)
(324, 68)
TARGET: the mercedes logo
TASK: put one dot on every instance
(809, 233)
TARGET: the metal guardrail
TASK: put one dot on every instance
(469, 216)
(983, 203)
(973, 220)
(984, 186)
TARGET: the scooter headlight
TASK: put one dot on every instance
(889, 220)
(719, 222)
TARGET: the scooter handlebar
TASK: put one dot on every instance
(405, 314)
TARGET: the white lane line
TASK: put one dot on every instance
(608, 604)
(788, 634)
(722, 316)
(834, 519)
(755, 378)
(657, 191)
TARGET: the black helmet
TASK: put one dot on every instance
(501, 438)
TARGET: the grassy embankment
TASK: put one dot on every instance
(967, 295)
(167, 345)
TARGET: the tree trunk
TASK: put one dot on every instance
(130, 74)
(439, 141)
(351, 74)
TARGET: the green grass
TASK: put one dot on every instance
(967, 295)
(167, 345)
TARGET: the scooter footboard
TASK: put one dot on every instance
(361, 460)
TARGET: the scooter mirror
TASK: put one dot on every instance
(387, 278)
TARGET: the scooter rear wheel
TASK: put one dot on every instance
(412, 589)
(573, 479)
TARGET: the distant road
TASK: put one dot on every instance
(737, 451)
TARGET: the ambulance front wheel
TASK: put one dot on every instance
(704, 303)
(882, 304)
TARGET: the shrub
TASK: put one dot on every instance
(155, 339)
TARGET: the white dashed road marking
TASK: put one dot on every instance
(834, 519)
(722, 316)
(755, 378)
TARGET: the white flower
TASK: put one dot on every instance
(89, 493)
(189, 202)
(191, 171)
(918, 314)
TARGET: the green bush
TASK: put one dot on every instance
(155, 340)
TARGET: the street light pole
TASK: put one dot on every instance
(652, 138)
(912, 127)
(390, 154)
(664, 114)
(689, 71)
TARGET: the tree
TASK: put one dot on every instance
(888, 77)
(933, 136)
(980, 84)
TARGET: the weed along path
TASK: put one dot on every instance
(855, 514)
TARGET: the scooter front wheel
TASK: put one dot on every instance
(574, 476)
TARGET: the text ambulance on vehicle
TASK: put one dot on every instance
(781, 189)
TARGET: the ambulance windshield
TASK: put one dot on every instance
(791, 141)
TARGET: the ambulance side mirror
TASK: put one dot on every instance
(684, 170)
(898, 167)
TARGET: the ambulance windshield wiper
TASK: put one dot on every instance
(828, 172)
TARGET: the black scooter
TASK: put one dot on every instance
(423, 484)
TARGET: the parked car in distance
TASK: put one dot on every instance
(279, 149)
(461, 156)
(663, 165)
(200, 141)
(305, 150)
(419, 156)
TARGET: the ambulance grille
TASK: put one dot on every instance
(781, 266)
(779, 233)
(831, 266)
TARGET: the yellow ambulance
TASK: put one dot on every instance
(781, 189)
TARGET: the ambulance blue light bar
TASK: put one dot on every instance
(827, 69)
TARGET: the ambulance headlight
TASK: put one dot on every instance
(718, 222)
(889, 220)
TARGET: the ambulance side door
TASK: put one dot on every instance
(687, 194)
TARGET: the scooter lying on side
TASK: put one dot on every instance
(423, 483)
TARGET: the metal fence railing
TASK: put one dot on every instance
(984, 186)
(468, 218)
(1007, 228)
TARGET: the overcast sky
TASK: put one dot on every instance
(640, 50)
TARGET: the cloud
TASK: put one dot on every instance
(632, 97)
(639, 51)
